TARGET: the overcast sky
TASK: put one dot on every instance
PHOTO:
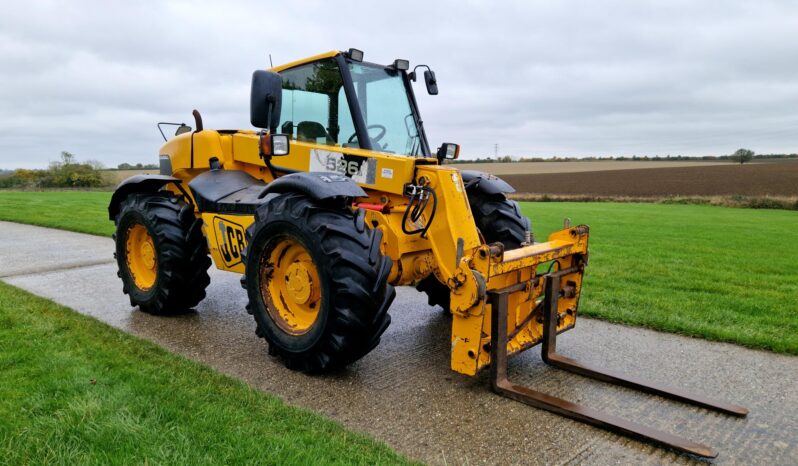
(538, 78)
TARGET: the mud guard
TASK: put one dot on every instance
(486, 183)
(137, 184)
(319, 186)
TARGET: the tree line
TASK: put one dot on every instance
(67, 172)
(741, 156)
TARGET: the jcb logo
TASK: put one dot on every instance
(230, 240)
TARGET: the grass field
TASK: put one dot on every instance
(713, 272)
(83, 211)
(718, 273)
(76, 391)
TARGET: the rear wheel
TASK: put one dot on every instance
(317, 283)
(499, 220)
(161, 253)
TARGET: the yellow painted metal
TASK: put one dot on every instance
(290, 286)
(565, 249)
(310, 59)
(240, 151)
(140, 256)
(453, 220)
(206, 144)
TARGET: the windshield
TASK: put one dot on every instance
(386, 109)
(315, 107)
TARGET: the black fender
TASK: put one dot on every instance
(485, 183)
(318, 186)
(138, 184)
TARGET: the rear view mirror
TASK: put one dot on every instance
(432, 83)
(264, 104)
(182, 129)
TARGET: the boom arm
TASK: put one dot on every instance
(471, 270)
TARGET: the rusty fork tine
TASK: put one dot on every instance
(501, 384)
(551, 357)
(603, 420)
(616, 378)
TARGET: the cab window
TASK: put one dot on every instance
(314, 106)
(385, 106)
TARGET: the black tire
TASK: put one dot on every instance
(180, 249)
(499, 220)
(353, 274)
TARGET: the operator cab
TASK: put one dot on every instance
(337, 99)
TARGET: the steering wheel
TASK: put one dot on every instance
(374, 139)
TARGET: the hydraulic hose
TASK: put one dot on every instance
(419, 200)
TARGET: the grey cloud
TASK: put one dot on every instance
(538, 78)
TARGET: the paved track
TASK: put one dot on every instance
(404, 393)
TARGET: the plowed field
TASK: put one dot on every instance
(756, 179)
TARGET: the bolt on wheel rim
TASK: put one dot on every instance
(290, 286)
(142, 261)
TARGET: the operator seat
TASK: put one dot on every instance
(311, 131)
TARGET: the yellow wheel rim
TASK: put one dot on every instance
(142, 262)
(290, 286)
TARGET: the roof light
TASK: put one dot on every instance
(355, 55)
(402, 65)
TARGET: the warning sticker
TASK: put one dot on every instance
(456, 181)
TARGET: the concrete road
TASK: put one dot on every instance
(404, 393)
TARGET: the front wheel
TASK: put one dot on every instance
(317, 283)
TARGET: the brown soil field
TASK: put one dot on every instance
(517, 168)
(779, 178)
(114, 177)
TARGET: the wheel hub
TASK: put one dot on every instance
(290, 286)
(298, 282)
(140, 256)
(148, 254)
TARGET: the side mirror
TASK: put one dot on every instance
(448, 151)
(272, 145)
(432, 83)
(264, 104)
(182, 129)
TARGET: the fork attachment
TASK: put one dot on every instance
(501, 385)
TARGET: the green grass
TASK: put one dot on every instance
(718, 273)
(83, 211)
(76, 391)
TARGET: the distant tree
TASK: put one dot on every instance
(67, 158)
(124, 166)
(95, 164)
(742, 156)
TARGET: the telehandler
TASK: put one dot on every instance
(336, 199)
